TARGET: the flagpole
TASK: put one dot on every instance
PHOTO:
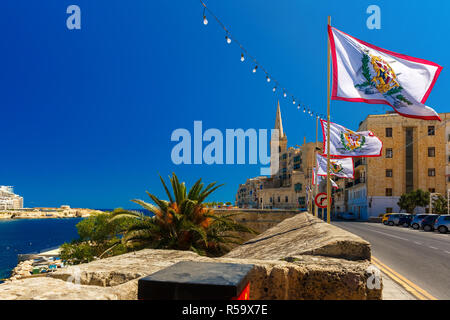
(315, 165)
(328, 128)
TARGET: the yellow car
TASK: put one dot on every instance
(385, 218)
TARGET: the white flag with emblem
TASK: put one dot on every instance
(363, 72)
(318, 179)
(339, 167)
(347, 143)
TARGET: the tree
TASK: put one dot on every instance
(182, 223)
(440, 205)
(417, 198)
(98, 238)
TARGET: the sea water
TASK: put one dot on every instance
(19, 236)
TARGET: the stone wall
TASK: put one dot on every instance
(325, 263)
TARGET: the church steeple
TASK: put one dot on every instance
(278, 122)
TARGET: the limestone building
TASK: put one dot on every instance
(10, 200)
(285, 188)
(416, 155)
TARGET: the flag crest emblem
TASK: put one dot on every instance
(336, 167)
(379, 75)
(351, 140)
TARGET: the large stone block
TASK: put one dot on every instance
(303, 234)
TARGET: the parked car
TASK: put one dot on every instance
(427, 223)
(348, 216)
(385, 218)
(405, 220)
(395, 219)
(415, 223)
(442, 224)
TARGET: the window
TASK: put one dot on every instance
(389, 173)
(431, 130)
(298, 187)
(301, 201)
(296, 166)
(271, 200)
(431, 190)
(296, 158)
(389, 210)
(279, 199)
(431, 151)
(287, 199)
(432, 172)
(388, 192)
(284, 156)
(389, 153)
(389, 132)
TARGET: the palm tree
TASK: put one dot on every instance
(183, 222)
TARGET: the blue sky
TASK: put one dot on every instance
(87, 114)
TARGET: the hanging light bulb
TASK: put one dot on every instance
(228, 39)
(293, 100)
(268, 78)
(205, 21)
(274, 89)
(304, 109)
(242, 57)
(298, 107)
(254, 69)
(284, 95)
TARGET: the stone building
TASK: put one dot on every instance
(416, 155)
(285, 188)
(10, 200)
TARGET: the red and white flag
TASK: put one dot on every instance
(363, 72)
(318, 179)
(347, 143)
(339, 167)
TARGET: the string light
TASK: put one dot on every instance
(205, 21)
(228, 39)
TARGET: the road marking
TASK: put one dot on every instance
(416, 242)
(447, 251)
(414, 289)
(390, 235)
(432, 247)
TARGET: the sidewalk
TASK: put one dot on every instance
(393, 291)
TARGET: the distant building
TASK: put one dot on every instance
(416, 155)
(10, 200)
(283, 189)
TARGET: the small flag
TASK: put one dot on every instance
(318, 179)
(347, 143)
(339, 167)
(363, 72)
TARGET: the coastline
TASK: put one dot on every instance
(47, 213)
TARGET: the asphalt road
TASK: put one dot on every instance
(421, 257)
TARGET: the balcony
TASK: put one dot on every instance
(360, 162)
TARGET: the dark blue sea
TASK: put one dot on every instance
(32, 235)
(21, 236)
